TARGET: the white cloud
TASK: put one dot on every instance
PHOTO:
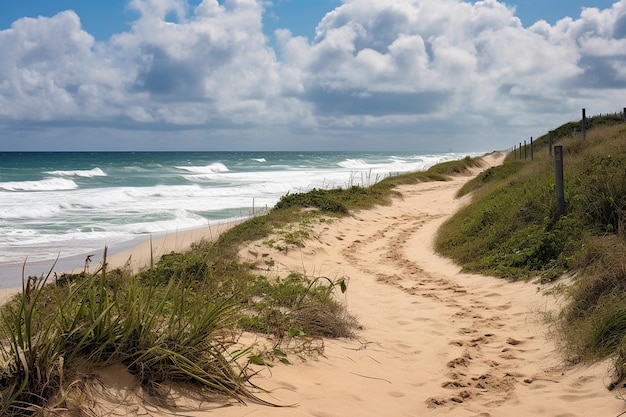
(443, 70)
(213, 62)
(45, 62)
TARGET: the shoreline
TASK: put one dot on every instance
(136, 254)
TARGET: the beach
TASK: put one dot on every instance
(434, 340)
(72, 204)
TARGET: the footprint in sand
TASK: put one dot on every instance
(453, 385)
(513, 342)
(460, 362)
(504, 307)
(493, 294)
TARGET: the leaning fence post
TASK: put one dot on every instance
(560, 189)
(531, 148)
(624, 114)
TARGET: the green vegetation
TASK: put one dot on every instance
(53, 336)
(181, 320)
(511, 230)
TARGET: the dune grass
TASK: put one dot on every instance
(52, 336)
(511, 230)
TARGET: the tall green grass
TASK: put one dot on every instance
(511, 229)
(53, 334)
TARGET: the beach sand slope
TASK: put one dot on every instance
(436, 341)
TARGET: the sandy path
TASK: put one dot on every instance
(435, 341)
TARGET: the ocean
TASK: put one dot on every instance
(64, 204)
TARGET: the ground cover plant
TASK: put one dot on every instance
(511, 229)
(179, 321)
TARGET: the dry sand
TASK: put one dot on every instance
(435, 341)
(141, 255)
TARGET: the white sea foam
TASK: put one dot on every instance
(205, 178)
(42, 210)
(96, 172)
(47, 184)
(353, 164)
(207, 169)
(259, 159)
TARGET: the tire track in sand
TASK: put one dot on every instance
(434, 340)
(477, 323)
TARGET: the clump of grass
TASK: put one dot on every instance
(593, 323)
(299, 306)
(163, 335)
(30, 352)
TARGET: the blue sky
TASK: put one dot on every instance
(354, 74)
(103, 18)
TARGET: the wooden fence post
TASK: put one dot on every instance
(550, 143)
(584, 124)
(560, 188)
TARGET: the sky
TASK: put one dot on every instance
(379, 75)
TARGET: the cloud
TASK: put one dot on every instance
(162, 75)
(214, 60)
(44, 68)
(346, 103)
(446, 71)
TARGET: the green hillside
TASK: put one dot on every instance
(512, 230)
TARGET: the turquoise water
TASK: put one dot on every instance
(70, 203)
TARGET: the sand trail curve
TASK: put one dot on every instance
(435, 341)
